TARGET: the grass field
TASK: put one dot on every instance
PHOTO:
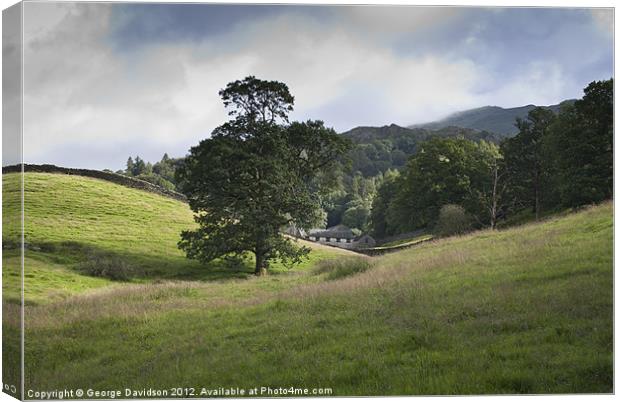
(73, 221)
(523, 310)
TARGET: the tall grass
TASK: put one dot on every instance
(343, 267)
(522, 310)
(525, 310)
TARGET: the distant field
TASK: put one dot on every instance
(524, 310)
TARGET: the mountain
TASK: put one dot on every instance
(493, 119)
(367, 134)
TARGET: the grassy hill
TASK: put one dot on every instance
(524, 310)
(76, 225)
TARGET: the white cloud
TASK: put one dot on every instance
(400, 19)
(87, 104)
(80, 92)
(604, 19)
(539, 83)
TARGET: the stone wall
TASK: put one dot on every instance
(98, 174)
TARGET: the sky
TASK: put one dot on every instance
(103, 81)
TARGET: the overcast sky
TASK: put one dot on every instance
(103, 81)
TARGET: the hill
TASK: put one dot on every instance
(524, 310)
(77, 227)
(378, 149)
(393, 132)
(493, 119)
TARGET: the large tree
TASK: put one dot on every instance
(382, 206)
(580, 145)
(527, 166)
(443, 171)
(257, 174)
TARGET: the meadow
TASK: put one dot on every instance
(526, 309)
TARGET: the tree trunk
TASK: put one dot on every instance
(494, 198)
(261, 264)
(537, 203)
(537, 195)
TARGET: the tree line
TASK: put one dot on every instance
(396, 180)
(555, 161)
(162, 173)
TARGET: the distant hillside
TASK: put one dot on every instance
(493, 119)
(381, 148)
(366, 134)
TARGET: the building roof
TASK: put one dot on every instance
(338, 231)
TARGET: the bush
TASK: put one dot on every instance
(341, 268)
(453, 220)
(156, 180)
(106, 266)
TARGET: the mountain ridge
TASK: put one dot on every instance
(494, 119)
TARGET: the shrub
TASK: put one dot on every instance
(452, 220)
(341, 268)
(156, 180)
(106, 266)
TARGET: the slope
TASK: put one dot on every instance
(493, 119)
(525, 310)
(82, 233)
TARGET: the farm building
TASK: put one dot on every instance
(340, 236)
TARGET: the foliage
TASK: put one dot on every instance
(156, 179)
(357, 215)
(444, 171)
(453, 220)
(382, 219)
(554, 161)
(256, 175)
(161, 173)
(525, 161)
(493, 188)
(103, 265)
(580, 147)
(564, 160)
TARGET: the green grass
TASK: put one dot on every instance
(398, 244)
(523, 310)
(70, 220)
(410, 241)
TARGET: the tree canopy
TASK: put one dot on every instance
(257, 174)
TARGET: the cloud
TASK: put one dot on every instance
(92, 99)
(604, 20)
(83, 94)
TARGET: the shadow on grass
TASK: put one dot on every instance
(93, 261)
